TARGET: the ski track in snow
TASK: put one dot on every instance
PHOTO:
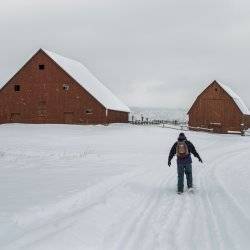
(140, 210)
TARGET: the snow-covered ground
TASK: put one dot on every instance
(109, 187)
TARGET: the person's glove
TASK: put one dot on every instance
(200, 160)
(169, 163)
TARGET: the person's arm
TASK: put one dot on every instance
(171, 154)
(194, 152)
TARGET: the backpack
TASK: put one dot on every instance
(181, 149)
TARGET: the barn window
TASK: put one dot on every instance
(17, 87)
(65, 87)
(89, 111)
(41, 66)
(216, 89)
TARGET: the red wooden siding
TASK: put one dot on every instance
(215, 109)
(42, 99)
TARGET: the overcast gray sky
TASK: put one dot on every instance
(158, 53)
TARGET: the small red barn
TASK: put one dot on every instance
(218, 108)
(51, 88)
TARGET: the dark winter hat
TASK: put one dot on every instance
(182, 137)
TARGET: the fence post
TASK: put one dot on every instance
(242, 129)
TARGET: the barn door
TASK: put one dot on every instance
(215, 114)
(68, 117)
(15, 117)
(42, 114)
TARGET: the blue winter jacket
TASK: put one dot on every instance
(187, 159)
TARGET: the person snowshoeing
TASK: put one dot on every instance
(183, 149)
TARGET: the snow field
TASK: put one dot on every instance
(97, 187)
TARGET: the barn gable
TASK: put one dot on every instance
(86, 79)
(219, 109)
(44, 90)
(236, 98)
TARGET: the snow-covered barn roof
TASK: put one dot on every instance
(239, 102)
(88, 81)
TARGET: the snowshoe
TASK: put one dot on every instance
(190, 190)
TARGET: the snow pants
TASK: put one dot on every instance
(187, 169)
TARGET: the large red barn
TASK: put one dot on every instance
(51, 88)
(220, 109)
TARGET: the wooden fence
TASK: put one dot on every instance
(182, 126)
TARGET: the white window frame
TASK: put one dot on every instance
(89, 111)
(65, 87)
